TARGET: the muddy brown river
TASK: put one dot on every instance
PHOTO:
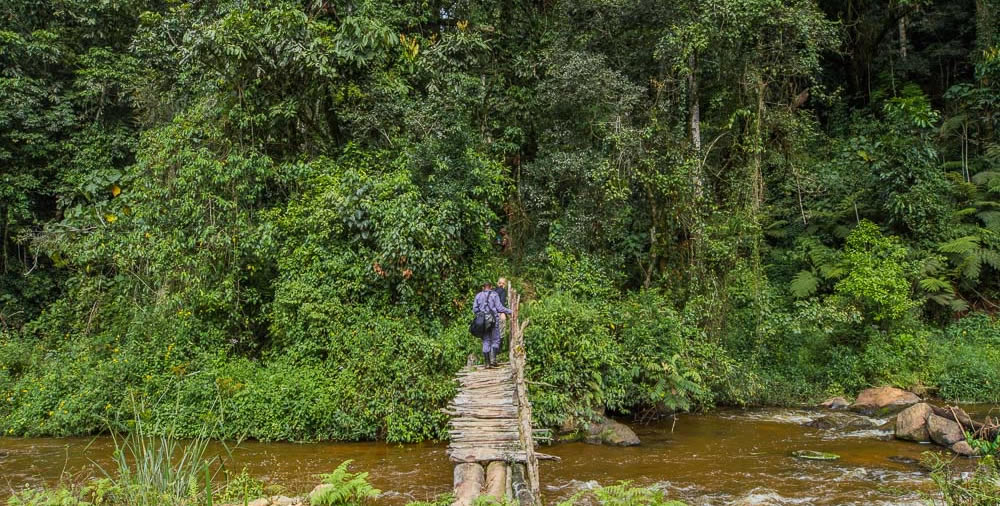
(723, 457)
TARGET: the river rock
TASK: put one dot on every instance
(899, 459)
(911, 423)
(843, 421)
(835, 403)
(261, 501)
(611, 432)
(883, 401)
(964, 449)
(568, 426)
(943, 431)
(280, 500)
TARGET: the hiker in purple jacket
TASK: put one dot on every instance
(487, 301)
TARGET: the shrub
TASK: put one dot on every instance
(980, 488)
(588, 353)
(876, 278)
(965, 361)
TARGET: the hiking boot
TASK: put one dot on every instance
(486, 360)
(493, 358)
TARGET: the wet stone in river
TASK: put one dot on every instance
(835, 403)
(964, 449)
(911, 423)
(943, 431)
(611, 432)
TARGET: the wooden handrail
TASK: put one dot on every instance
(517, 362)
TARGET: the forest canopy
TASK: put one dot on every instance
(274, 214)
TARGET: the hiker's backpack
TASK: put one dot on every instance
(482, 324)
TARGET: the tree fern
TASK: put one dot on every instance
(976, 249)
(971, 253)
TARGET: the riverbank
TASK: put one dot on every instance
(723, 457)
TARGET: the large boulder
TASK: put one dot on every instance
(610, 432)
(943, 431)
(911, 423)
(883, 401)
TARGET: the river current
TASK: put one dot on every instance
(722, 457)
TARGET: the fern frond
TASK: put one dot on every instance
(804, 284)
(344, 488)
(985, 177)
(953, 123)
(934, 285)
(942, 299)
(990, 219)
(962, 245)
(932, 265)
(972, 267)
(958, 305)
(993, 152)
(991, 257)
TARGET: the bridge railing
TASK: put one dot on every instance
(517, 362)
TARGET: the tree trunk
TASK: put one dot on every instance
(757, 171)
(694, 113)
(697, 177)
(902, 38)
(3, 241)
(986, 25)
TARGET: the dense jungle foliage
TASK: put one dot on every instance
(272, 216)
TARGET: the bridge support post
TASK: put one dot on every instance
(519, 484)
(496, 479)
(469, 478)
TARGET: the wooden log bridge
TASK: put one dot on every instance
(492, 442)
